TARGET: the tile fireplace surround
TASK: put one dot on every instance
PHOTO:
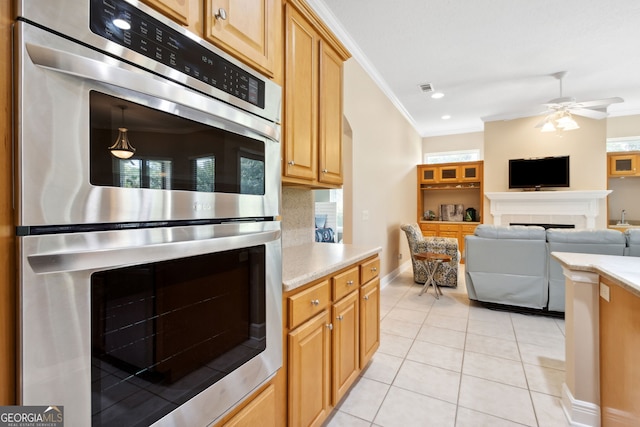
(583, 209)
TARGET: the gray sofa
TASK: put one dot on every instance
(511, 265)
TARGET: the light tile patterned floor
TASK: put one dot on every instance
(453, 362)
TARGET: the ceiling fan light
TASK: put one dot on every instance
(570, 125)
(548, 127)
(566, 122)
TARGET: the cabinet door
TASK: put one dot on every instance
(301, 98)
(308, 364)
(369, 320)
(184, 12)
(330, 132)
(470, 173)
(448, 174)
(428, 175)
(345, 344)
(623, 165)
(245, 29)
(260, 412)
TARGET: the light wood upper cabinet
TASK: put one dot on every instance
(330, 119)
(301, 98)
(244, 28)
(177, 10)
(623, 164)
(312, 139)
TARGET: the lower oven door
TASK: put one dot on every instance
(166, 326)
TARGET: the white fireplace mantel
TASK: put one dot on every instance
(549, 204)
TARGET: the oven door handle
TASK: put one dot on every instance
(107, 70)
(115, 257)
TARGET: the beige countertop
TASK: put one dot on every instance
(623, 270)
(306, 263)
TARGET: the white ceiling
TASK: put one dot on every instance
(492, 59)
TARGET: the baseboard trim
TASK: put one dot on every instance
(579, 413)
(395, 273)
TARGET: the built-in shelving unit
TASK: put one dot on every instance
(449, 184)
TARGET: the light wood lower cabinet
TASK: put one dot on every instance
(309, 364)
(345, 355)
(260, 412)
(369, 320)
(329, 342)
(619, 349)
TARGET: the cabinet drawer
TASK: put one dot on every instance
(429, 227)
(449, 227)
(307, 303)
(453, 234)
(369, 270)
(469, 228)
(344, 283)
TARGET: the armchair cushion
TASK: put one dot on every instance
(447, 272)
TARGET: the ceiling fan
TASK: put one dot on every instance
(559, 110)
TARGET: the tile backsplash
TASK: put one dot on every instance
(297, 216)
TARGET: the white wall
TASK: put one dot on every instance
(463, 141)
(386, 150)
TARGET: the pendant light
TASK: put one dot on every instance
(122, 148)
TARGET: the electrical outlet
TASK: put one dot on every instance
(604, 291)
(400, 255)
(365, 215)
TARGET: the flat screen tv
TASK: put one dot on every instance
(539, 172)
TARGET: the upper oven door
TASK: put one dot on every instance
(196, 157)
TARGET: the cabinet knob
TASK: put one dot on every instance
(374, 269)
(324, 171)
(222, 14)
(349, 282)
(366, 297)
(330, 326)
(291, 163)
(315, 302)
(340, 317)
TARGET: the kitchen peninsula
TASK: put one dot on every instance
(331, 324)
(602, 328)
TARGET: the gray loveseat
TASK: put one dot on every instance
(511, 265)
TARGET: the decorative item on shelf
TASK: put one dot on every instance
(451, 212)
(470, 215)
(429, 215)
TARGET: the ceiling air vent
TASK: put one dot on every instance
(426, 87)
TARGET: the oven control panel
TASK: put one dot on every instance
(121, 23)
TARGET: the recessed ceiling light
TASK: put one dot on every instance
(437, 95)
(446, 117)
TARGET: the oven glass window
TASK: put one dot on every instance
(163, 332)
(170, 152)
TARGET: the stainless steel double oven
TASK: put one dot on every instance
(147, 167)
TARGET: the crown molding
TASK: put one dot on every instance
(330, 20)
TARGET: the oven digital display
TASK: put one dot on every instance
(155, 40)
